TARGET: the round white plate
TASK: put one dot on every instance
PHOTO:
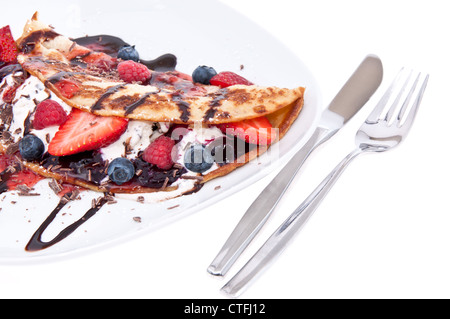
(200, 32)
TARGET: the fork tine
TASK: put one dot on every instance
(379, 108)
(393, 108)
(412, 112)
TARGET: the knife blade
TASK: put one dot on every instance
(350, 99)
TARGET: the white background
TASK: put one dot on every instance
(383, 231)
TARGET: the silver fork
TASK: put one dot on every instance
(381, 131)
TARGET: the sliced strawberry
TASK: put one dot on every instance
(67, 88)
(226, 79)
(5, 161)
(85, 132)
(254, 131)
(77, 51)
(9, 94)
(8, 47)
(101, 60)
(183, 76)
(24, 177)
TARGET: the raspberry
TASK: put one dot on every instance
(49, 113)
(159, 152)
(130, 71)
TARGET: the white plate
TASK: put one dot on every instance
(197, 32)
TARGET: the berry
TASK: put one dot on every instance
(6, 161)
(121, 170)
(9, 94)
(8, 47)
(31, 148)
(198, 159)
(84, 131)
(130, 71)
(203, 74)
(128, 52)
(254, 131)
(48, 113)
(225, 79)
(67, 88)
(101, 61)
(23, 177)
(159, 152)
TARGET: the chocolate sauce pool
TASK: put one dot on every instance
(110, 45)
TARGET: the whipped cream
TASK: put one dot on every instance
(138, 136)
(26, 98)
(196, 133)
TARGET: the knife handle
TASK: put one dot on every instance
(258, 213)
(278, 241)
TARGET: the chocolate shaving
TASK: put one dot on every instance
(137, 219)
(24, 190)
(75, 194)
(196, 177)
(141, 199)
(12, 149)
(166, 182)
(55, 186)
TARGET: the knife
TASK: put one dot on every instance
(350, 99)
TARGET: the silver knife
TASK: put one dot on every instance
(350, 99)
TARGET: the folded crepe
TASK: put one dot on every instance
(56, 59)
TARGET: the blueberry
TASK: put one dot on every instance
(198, 159)
(31, 148)
(202, 74)
(121, 170)
(128, 52)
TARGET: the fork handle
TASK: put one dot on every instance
(259, 212)
(278, 241)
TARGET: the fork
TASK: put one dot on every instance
(382, 130)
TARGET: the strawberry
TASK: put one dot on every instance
(101, 60)
(8, 47)
(85, 132)
(24, 177)
(9, 93)
(67, 88)
(225, 79)
(5, 161)
(254, 131)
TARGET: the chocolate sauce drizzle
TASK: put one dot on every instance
(130, 108)
(211, 112)
(36, 242)
(28, 43)
(110, 91)
(183, 106)
(59, 76)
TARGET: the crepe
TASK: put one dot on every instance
(52, 57)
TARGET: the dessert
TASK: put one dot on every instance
(91, 114)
